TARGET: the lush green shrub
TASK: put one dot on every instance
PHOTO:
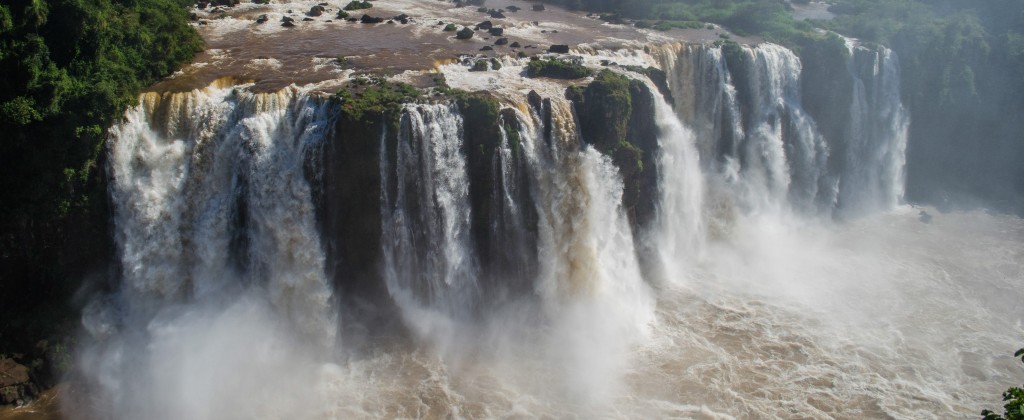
(70, 69)
(368, 97)
(557, 69)
(1014, 399)
(358, 5)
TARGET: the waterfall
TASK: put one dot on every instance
(873, 176)
(754, 135)
(428, 254)
(514, 249)
(210, 197)
(679, 227)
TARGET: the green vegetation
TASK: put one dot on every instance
(557, 69)
(368, 98)
(479, 65)
(1014, 399)
(70, 69)
(358, 5)
(615, 118)
(450, 27)
(665, 25)
(342, 14)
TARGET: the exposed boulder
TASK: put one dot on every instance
(370, 19)
(496, 14)
(496, 31)
(559, 48)
(484, 26)
(501, 41)
(479, 65)
(465, 33)
(402, 18)
(515, 44)
(262, 19)
(316, 10)
(16, 386)
(535, 100)
(307, 19)
(513, 8)
(486, 48)
(538, 7)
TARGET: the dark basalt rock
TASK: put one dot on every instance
(352, 19)
(559, 48)
(286, 19)
(486, 48)
(615, 117)
(533, 98)
(496, 31)
(288, 24)
(513, 8)
(262, 19)
(484, 26)
(496, 14)
(16, 386)
(370, 19)
(307, 19)
(464, 33)
(316, 10)
(501, 41)
(515, 44)
(402, 18)
(538, 7)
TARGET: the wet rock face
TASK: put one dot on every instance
(559, 48)
(371, 19)
(16, 386)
